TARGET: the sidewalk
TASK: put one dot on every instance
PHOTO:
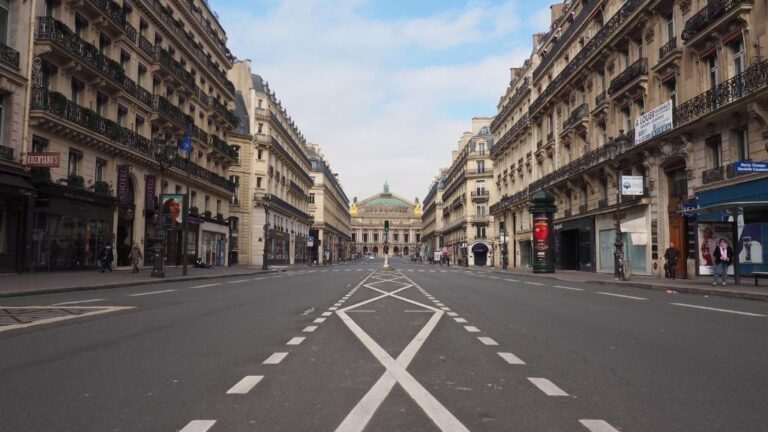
(698, 285)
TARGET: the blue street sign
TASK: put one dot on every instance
(750, 167)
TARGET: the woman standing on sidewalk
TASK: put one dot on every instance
(723, 259)
(136, 257)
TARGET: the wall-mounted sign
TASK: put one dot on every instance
(123, 184)
(631, 185)
(149, 192)
(43, 159)
(654, 122)
(750, 167)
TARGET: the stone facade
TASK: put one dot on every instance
(432, 219)
(369, 215)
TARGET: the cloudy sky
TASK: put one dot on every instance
(386, 87)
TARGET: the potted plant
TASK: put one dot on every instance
(76, 181)
(194, 211)
(219, 218)
(40, 174)
(207, 214)
(102, 188)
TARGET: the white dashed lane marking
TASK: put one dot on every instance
(718, 310)
(598, 426)
(622, 296)
(511, 358)
(151, 293)
(452, 314)
(472, 329)
(241, 281)
(548, 387)
(319, 320)
(198, 426)
(276, 358)
(460, 320)
(511, 280)
(487, 341)
(326, 314)
(204, 286)
(296, 341)
(534, 283)
(568, 288)
(309, 329)
(245, 385)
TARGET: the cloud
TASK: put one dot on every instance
(385, 99)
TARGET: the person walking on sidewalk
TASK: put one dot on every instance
(136, 257)
(671, 255)
(106, 259)
(723, 259)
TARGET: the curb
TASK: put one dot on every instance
(57, 290)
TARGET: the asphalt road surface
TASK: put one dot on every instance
(351, 348)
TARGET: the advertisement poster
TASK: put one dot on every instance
(172, 206)
(750, 244)
(542, 240)
(654, 123)
(710, 234)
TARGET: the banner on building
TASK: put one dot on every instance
(172, 211)
(43, 159)
(123, 184)
(631, 185)
(149, 192)
(654, 123)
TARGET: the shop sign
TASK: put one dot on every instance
(44, 159)
(172, 210)
(654, 123)
(149, 192)
(750, 167)
(123, 184)
(631, 185)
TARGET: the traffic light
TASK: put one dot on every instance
(386, 226)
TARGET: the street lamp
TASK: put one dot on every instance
(265, 264)
(164, 154)
(612, 148)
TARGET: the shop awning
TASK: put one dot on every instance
(749, 198)
(10, 180)
(753, 211)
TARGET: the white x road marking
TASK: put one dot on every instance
(396, 372)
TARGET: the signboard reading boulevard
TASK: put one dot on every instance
(750, 167)
(654, 123)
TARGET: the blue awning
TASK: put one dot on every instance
(748, 197)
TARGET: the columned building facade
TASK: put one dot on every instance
(432, 219)
(673, 92)
(368, 220)
(114, 91)
(466, 196)
(276, 199)
(330, 239)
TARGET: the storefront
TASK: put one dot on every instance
(15, 200)
(635, 229)
(279, 247)
(479, 254)
(213, 247)
(70, 227)
(301, 251)
(575, 244)
(526, 253)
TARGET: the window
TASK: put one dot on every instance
(2, 111)
(397, 237)
(193, 199)
(76, 87)
(260, 154)
(50, 7)
(139, 124)
(104, 44)
(125, 58)
(480, 167)
(177, 189)
(481, 149)
(714, 76)
(80, 25)
(4, 8)
(479, 232)
(742, 144)
(406, 237)
(480, 209)
(101, 165)
(260, 128)
(418, 238)
(480, 187)
(258, 182)
(584, 196)
(311, 198)
(101, 104)
(141, 74)
(354, 237)
(207, 203)
(365, 237)
(670, 26)
(714, 149)
(375, 237)
(73, 163)
(261, 101)
(679, 183)
(122, 112)
(739, 61)
(218, 207)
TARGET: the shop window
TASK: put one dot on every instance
(101, 165)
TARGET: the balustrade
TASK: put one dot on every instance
(713, 10)
(507, 108)
(9, 56)
(667, 48)
(579, 113)
(6, 153)
(713, 175)
(631, 73)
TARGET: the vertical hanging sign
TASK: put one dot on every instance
(149, 192)
(123, 193)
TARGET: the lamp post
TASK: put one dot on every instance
(504, 246)
(265, 264)
(613, 148)
(165, 154)
(185, 222)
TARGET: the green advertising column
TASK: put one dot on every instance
(543, 210)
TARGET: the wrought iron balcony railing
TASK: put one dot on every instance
(713, 175)
(667, 48)
(224, 113)
(509, 135)
(116, 14)
(171, 111)
(713, 10)
(577, 114)
(9, 56)
(222, 146)
(146, 46)
(600, 98)
(507, 108)
(480, 193)
(742, 85)
(208, 176)
(631, 73)
(175, 68)
(199, 134)
(6, 153)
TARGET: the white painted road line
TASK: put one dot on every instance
(276, 358)
(240, 281)
(78, 302)
(198, 426)
(445, 308)
(622, 296)
(326, 314)
(333, 308)
(151, 293)
(309, 329)
(245, 385)
(472, 329)
(568, 288)
(598, 426)
(511, 280)
(204, 286)
(413, 310)
(487, 341)
(534, 283)
(452, 314)
(718, 310)
(460, 320)
(548, 387)
(511, 358)
(296, 341)
(367, 310)
(319, 320)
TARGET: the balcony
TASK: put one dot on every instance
(199, 134)
(261, 112)
(507, 108)
(6, 153)
(716, 11)
(222, 147)
(9, 56)
(171, 112)
(509, 135)
(201, 173)
(667, 48)
(480, 195)
(632, 73)
(713, 175)
(115, 16)
(146, 46)
(577, 115)
(479, 219)
(222, 111)
(174, 68)
(745, 84)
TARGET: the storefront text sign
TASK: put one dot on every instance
(123, 185)
(43, 159)
(149, 192)
(631, 185)
(654, 123)
(751, 167)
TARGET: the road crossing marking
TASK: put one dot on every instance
(472, 329)
(622, 296)
(151, 293)
(297, 340)
(460, 320)
(548, 387)
(78, 302)
(309, 329)
(718, 310)
(445, 308)
(245, 385)
(95, 310)
(598, 426)
(487, 341)
(511, 358)
(568, 288)
(198, 426)
(452, 314)
(319, 320)
(276, 358)
(204, 286)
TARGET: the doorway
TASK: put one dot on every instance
(677, 185)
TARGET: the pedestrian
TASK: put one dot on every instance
(723, 259)
(671, 255)
(106, 259)
(136, 257)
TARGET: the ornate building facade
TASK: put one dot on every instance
(675, 92)
(369, 215)
(274, 178)
(432, 218)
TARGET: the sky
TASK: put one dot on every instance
(385, 87)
